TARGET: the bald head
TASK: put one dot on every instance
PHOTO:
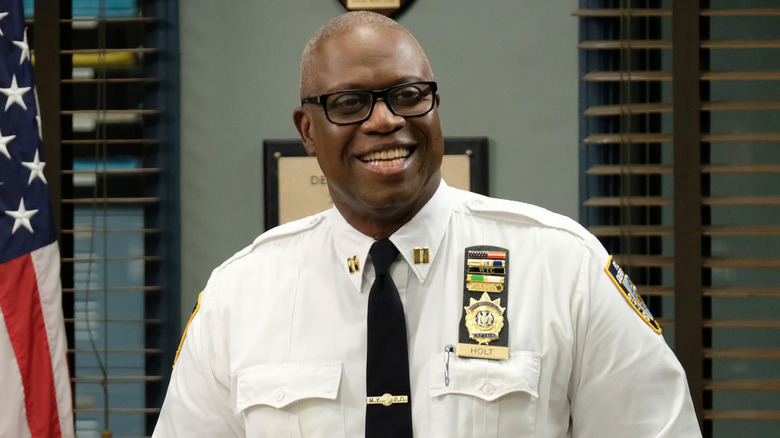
(342, 24)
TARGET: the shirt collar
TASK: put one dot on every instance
(425, 230)
(350, 244)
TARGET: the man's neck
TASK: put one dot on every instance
(380, 226)
(382, 223)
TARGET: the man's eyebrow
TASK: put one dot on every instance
(408, 79)
(344, 87)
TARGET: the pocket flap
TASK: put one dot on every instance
(278, 385)
(484, 378)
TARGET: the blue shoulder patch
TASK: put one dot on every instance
(627, 288)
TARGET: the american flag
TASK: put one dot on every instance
(36, 396)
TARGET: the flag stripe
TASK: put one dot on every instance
(46, 261)
(19, 301)
(13, 416)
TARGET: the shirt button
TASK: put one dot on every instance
(488, 388)
(278, 396)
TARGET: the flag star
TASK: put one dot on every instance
(36, 169)
(25, 48)
(38, 121)
(15, 93)
(22, 217)
(4, 140)
(2, 15)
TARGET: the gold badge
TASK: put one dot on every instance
(486, 272)
(484, 319)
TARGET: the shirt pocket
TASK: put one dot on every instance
(484, 398)
(296, 400)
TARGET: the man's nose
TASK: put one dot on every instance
(382, 120)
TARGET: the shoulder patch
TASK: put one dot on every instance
(184, 335)
(629, 291)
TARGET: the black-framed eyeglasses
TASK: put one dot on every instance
(355, 106)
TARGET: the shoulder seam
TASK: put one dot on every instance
(535, 214)
(288, 230)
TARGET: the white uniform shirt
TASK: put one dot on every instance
(278, 346)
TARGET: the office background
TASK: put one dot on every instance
(163, 142)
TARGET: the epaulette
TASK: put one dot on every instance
(284, 231)
(520, 212)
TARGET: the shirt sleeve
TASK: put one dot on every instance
(198, 401)
(626, 381)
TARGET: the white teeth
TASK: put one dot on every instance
(390, 158)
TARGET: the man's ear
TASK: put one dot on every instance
(303, 123)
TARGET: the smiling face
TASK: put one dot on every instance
(382, 171)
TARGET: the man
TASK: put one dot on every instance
(552, 341)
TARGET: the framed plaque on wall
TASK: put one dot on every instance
(295, 186)
(390, 8)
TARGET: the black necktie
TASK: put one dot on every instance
(389, 401)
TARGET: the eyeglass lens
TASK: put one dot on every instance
(406, 100)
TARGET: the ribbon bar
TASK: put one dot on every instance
(485, 278)
(487, 254)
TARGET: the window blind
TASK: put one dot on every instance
(110, 123)
(680, 178)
